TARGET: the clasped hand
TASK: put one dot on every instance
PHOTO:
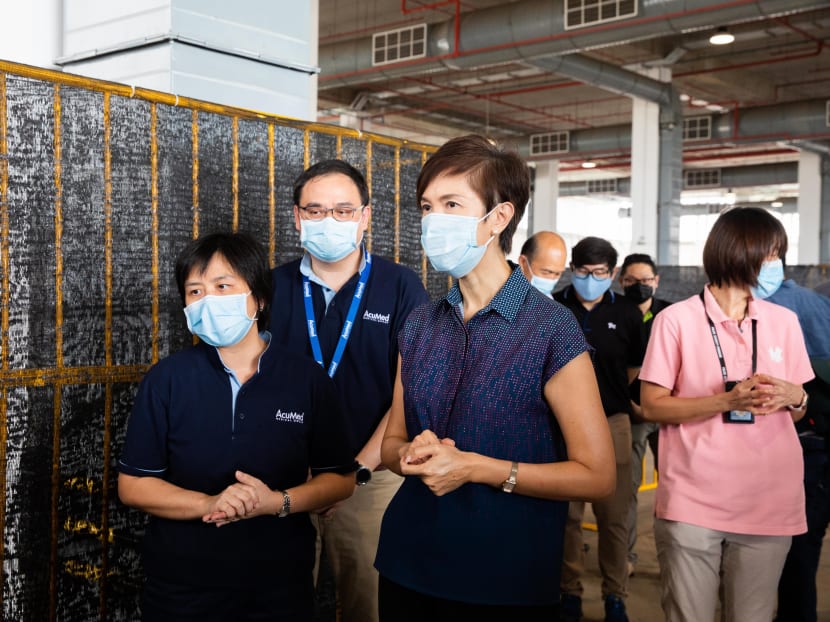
(243, 499)
(439, 464)
(762, 394)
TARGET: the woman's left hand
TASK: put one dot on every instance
(248, 483)
(441, 466)
(775, 394)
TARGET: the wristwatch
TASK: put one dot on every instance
(801, 405)
(286, 505)
(510, 483)
(363, 475)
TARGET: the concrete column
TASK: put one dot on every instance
(645, 175)
(545, 195)
(645, 168)
(809, 206)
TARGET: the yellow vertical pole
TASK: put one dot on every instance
(369, 184)
(194, 132)
(154, 229)
(397, 252)
(102, 601)
(235, 173)
(272, 198)
(58, 387)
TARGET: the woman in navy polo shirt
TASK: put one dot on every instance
(219, 447)
(496, 418)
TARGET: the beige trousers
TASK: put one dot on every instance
(351, 541)
(693, 559)
(612, 524)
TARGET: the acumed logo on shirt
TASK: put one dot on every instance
(289, 416)
(377, 317)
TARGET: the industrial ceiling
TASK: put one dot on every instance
(559, 75)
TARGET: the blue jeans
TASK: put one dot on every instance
(797, 588)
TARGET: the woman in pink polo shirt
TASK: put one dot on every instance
(723, 374)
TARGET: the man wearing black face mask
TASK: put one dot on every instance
(639, 280)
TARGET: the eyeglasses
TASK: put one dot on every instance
(597, 273)
(340, 213)
(630, 280)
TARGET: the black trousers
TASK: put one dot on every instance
(399, 604)
(797, 589)
(163, 601)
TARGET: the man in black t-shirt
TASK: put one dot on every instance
(639, 280)
(613, 326)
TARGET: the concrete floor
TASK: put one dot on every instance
(643, 602)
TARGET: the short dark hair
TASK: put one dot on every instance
(243, 253)
(740, 240)
(638, 258)
(589, 251)
(496, 176)
(332, 167)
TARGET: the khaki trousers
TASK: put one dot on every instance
(612, 524)
(351, 541)
(693, 559)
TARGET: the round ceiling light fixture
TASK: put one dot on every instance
(722, 36)
(589, 164)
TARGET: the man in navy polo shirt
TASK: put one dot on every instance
(345, 307)
(613, 326)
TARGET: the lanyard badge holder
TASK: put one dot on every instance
(732, 416)
(346, 332)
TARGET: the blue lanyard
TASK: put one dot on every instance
(347, 325)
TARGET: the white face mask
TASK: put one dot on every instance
(541, 283)
(329, 239)
(219, 320)
(450, 242)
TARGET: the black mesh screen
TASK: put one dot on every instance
(99, 190)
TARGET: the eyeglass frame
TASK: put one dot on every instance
(304, 215)
(626, 281)
(583, 272)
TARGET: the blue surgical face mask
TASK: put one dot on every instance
(219, 320)
(590, 287)
(542, 284)
(769, 279)
(329, 239)
(450, 242)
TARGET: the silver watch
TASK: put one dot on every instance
(510, 483)
(286, 505)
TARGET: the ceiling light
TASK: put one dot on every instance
(700, 103)
(730, 197)
(777, 204)
(722, 37)
(589, 164)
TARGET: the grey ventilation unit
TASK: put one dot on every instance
(581, 13)
(701, 178)
(393, 46)
(550, 143)
(602, 186)
(697, 128)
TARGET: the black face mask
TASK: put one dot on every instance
(638, 293)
